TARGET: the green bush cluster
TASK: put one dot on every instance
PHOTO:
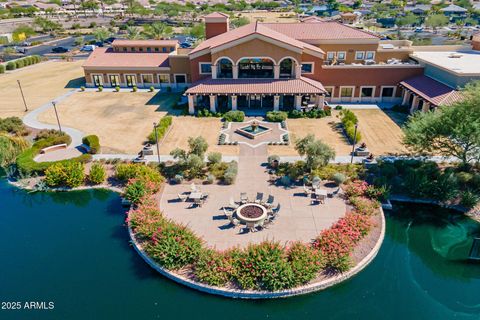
(13, 125)
(127, 171)
(231, 172)
(312, 114)
(205, 113)
(161, 128)
(23, 62)
(234, 116)
(52, 137)
(97, 173)
(65, 174)
(276, 116)
(349, 120)
(92, 142)
(2, 68)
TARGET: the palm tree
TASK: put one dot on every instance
(157, 30)
(133, 33)
(101, 34)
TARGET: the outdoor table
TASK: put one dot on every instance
(195, 195)
(321, 194)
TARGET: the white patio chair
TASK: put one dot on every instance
(232, 204)
(243, 197)
(259, 198)
(228, 213)
(234, 222)
(182, 197)
(269, 202)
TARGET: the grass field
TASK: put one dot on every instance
(41, 83)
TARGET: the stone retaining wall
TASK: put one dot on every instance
(251, 294)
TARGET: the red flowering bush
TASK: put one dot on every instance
(145, 219)
(305, 261)
(364, 205)
(213, 267)
(356, 188)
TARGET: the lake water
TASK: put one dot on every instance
(72, 249)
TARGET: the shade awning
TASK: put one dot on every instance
(431, 90)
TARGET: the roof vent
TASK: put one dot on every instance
(455, 55)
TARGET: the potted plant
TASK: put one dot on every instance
(362, 147)
(152, 89)
(370, 158)
(134, 88)
(117, 88)
(82, 88)
(100, 88)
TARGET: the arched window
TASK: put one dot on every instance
(255, 68)
(224, 68)
(287, 68)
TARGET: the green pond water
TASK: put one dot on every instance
(72, 249)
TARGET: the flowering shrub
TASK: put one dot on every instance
(213, 267)
(356, 188)
(127, 171)
(364, 205)
(65, 173)
(306, 261)
(97, 173)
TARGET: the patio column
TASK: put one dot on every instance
(426, 106)
(406, 97)
(234, 103)
(276, 71)
(414, 104)
(298, 71)
(191, 104)
(276, 103)
(298, 102)
(213, 103)
(319, 101)
(214, 71)
(235, 71)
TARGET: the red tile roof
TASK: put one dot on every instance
(106, 57)
(320, 30)
(432, 91)
(216, 15)
(152, 43)
(256, 86)
(250, 29)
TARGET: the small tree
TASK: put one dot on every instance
(450, 131)
(317, 153)
(436, 20)
(198, 146)
(214, 157)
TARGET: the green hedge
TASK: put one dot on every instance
(26, 164)
(2, 68)
(20, 63)
(11, 66)
(276, 116)
(162, 128)
(92, 142)
(68, 173)
(349, 120)
(234, 116)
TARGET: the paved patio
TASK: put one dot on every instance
(297, 220)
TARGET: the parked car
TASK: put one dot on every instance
(185, 45)
(418, 29)
(88, 48)
(20, 50)
(59, 50)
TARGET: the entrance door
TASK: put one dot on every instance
(114, 80)
(288, 102)
(388, 94)
(346, 94)
(267, 102)
(131, 80)
(255, 102)
(97, 80)
(366, 94)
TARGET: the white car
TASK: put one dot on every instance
(88, 48)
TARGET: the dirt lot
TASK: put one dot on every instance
(266, 16)
(122, 120)
(41, 83)
(381, 134)
(185, 127)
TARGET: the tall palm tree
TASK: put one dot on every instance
(157, 30)
(133, 33)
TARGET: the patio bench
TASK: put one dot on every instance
(53, 148)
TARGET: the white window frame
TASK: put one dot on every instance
(135, 77)
(119, 79)
(373, 55)
(147, 74)
(340, 92)
(393, 93)
(101, 77)
(332, 96)
(373, 92)
(359, 52)
(162, 74)
(331, 53)
(200, 67)
(344, 55)
(180, 74)
(313, 68)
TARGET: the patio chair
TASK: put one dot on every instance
(234, 222)
(269, 202)
(182, 197)
(228, 213)
(232, 204)
(276, 210)
(265, 223)
(205, 197)
(307, 190)
(251, 227)
(243, 197)
(259, 198)
(193, 187)
(198, 202)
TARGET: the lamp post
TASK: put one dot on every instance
(156, 141)
(56, 115)
(354, 142)
(23, 97)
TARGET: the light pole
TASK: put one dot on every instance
(156, 140)
(56, 115)
(23, 97)
(354, 141)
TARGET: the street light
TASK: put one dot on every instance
(156, 140)
(56, 115)
(354, 141)
(23, 97)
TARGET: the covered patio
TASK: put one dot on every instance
(254, 94)
(424, 93)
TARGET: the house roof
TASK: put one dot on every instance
(106, 57)
(320, 30)
(453, 8)
(431, 90)
(254, 28)
(256, 86)
(152, 43)
(216, 15)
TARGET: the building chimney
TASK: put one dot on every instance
(215, 23)
(476, 42)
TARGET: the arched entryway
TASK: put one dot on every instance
(249, 68)
(287, 68)
(224, 68)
